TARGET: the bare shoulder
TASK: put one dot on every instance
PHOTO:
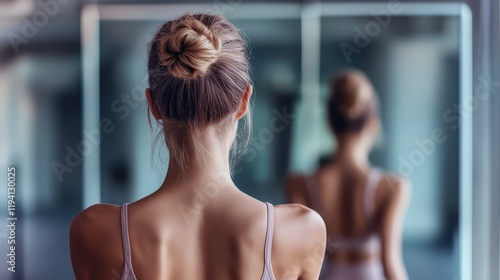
(92, 236)
(94, 226)
(300, 234)
(298, 212)
(295, 189)
(294, 180)
(95, 215)
(293, 176)
(395, 188)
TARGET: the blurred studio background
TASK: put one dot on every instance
(72, 70)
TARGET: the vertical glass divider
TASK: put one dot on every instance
(90, 102)
(466, 134)
(310, 87)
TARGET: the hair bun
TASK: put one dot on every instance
(190, 49)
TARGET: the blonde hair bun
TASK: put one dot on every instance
(190, 49)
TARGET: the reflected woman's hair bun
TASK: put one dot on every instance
(190, 49)
(352, 101)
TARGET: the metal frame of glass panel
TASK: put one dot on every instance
(310, 15)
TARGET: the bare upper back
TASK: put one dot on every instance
(339, 195)
(221, 239)
(342, 196)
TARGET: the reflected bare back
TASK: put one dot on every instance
(356, 211)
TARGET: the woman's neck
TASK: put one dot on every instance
(201, 165)
(353, 150)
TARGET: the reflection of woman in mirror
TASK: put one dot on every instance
(198, 224)
(362, 206)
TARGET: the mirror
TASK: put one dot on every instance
(413, 55)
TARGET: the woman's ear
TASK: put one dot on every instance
(152, 106)
(245, 102)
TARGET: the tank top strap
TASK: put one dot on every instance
(268, 268)
(371, 185)
(128, 272)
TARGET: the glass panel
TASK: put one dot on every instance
(126, 160)
(276, 60)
